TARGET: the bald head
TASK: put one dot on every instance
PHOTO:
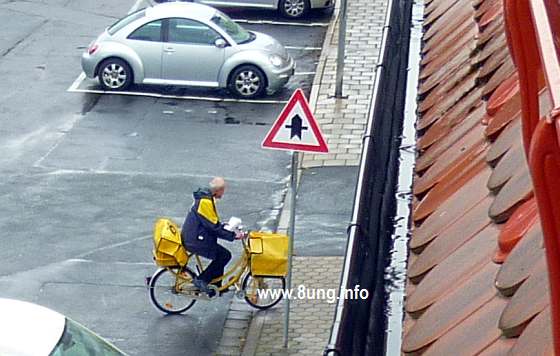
(217, 187)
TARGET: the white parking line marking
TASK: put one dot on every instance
(81, 260)
(92, 172)
(178, 97)
(77, 82)
(267, 22)
(304, 73)
(137, 5)
(303, 48)
(111, 246)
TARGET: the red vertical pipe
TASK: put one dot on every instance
(532, 27)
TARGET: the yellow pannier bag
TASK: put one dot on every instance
(269, 254)
(168, 249)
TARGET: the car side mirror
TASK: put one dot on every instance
(220, 43)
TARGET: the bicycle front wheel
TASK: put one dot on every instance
(165, 293)
(263, 292)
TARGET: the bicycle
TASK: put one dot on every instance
(171, 289)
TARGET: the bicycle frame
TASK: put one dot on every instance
(239, 268)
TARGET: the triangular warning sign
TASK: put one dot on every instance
(296, 128)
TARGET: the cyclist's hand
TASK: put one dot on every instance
(239, 235)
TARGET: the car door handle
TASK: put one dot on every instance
(169, 49)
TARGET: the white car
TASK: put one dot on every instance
(28, 329)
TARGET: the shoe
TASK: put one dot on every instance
(201, 285)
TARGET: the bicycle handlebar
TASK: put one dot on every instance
(245, 239)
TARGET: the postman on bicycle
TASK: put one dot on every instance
(201, 230)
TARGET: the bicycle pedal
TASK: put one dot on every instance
(213, 291)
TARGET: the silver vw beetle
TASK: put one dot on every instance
(187, 44)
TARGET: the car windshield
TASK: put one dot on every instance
(117, 26)
(236, 32)
(77, 341)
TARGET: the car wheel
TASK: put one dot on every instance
(294, 9)
(247, 82)
(114, 74)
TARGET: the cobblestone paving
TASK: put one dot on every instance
(310, 319)
(343, 121)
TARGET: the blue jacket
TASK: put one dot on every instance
(202, 226)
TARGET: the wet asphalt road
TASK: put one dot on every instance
(84, 176)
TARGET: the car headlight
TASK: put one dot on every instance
(275, 60)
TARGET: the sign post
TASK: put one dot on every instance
(291, 230)
(341, 49)
(295, 130)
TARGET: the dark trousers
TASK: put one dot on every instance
(216, 267)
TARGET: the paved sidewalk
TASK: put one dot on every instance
(310, 317)
(343, 123)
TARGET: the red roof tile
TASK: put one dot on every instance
(453, 156)
(458, 266)
(453, 180)
(457, 126)
(494, 28)
(505, 70)
(511, 161)
(451, 309)
(486, 6)
(537, 338)
(491, 14)
(499, 347)
(469, 225)
(454, 207)
(435, 10)
(516, 191)
(504, 92)
(522, 260)
(515, 228)
(509, 111)
(478, 331)
(511, 135)
(529, 300)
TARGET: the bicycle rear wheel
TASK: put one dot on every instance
(164, 292)
(263, 292)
